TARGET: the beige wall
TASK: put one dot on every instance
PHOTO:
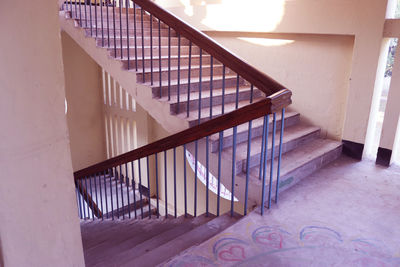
(349, 80)
(39, 225)
(83, 90)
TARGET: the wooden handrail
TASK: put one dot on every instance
(259, 79)
(89, 201)
(242, 115)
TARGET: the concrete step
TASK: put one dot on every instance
(165, 61)
(109, 30)
(108, 41)
(187, 240)
(174, 49)
(127, 252)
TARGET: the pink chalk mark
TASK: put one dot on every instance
(234, 253)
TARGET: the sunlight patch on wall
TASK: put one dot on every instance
(266, 41)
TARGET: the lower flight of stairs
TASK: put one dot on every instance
(146, 242)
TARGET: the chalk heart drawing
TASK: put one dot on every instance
(320, 236)
(270, 237)
(233, 253)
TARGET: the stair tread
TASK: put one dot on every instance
(175, 68)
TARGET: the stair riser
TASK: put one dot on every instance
(173, 74)
(110, 21)
(164, 51)
(110, 31)
(164, 62)
(256, 132)
(205, 102)
(164, 41)
(241, 166)
(194, 87)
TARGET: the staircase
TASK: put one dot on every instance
(146, 242)
(237, 125)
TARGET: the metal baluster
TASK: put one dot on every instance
(219, 170)
(260, 171)
(116, 189)
(148, 184)
(86, 22)
(151, 49)
(271, 175)
(251, 93)
(190, 70)
(87, 200)
(91, 21)
(105, 193)
(95, 188)
(115, 35)
(264, 165)
(95, 14)
(159, 54)
(112, 199)
(91, 194)
(200, 84)
(121, 177)
(179, 73)
(165, 184)
(143, 65)
(247, 167)
(134, 187)
(237, 92)
(211, 84)
(280, 155)
(134, 34)
(76, 16)
(184, 178)
(207, 174)
(175, 208)
(127, 189)
(70, 7)
(158, 204)
(223, 89)
(108, 25)
(102, 23)
(169, 63)
(120, 27)
(195, 178)
(127, 34)
(79, 187)
(233, 169)
(140, 190)
(80, 14)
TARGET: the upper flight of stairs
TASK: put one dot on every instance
(146, 242)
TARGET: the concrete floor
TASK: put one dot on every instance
(347, 214)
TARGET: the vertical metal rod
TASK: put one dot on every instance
(134, 35)
(200, 84)
(237, 92)
(246, 194)
(115, 35)
(175, 201)
(280, 155)
(87, 201)
(91, 21)
(112, 199)
(121, 180)
(127, 190)
(211, 84)
(159, 54)
(116, 189)
(264, 165)
(143, 60)
(179, 73)
(105, 192)
(80, 13)
(140, 190)
(95, 189)
(108, 25)
(260, 171)
(223, 89)
(169, 63)
(79, 200)
(189, 72)
(158, 196)
(76, 16)
(134, 187)
(86, 21)
(251, 93)
(271, 175)
(70, 6)
(120, 26)
(233, 169)
(148, 184)
(165, 184)
(207, 174)
(219, 171)
(91, 194)
(127, 34)
(184, 178)
(151, 49)
(102, 23)
(95, 14)
(195, 177)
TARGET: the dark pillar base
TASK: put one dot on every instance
(353, 149)
(383, 157)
